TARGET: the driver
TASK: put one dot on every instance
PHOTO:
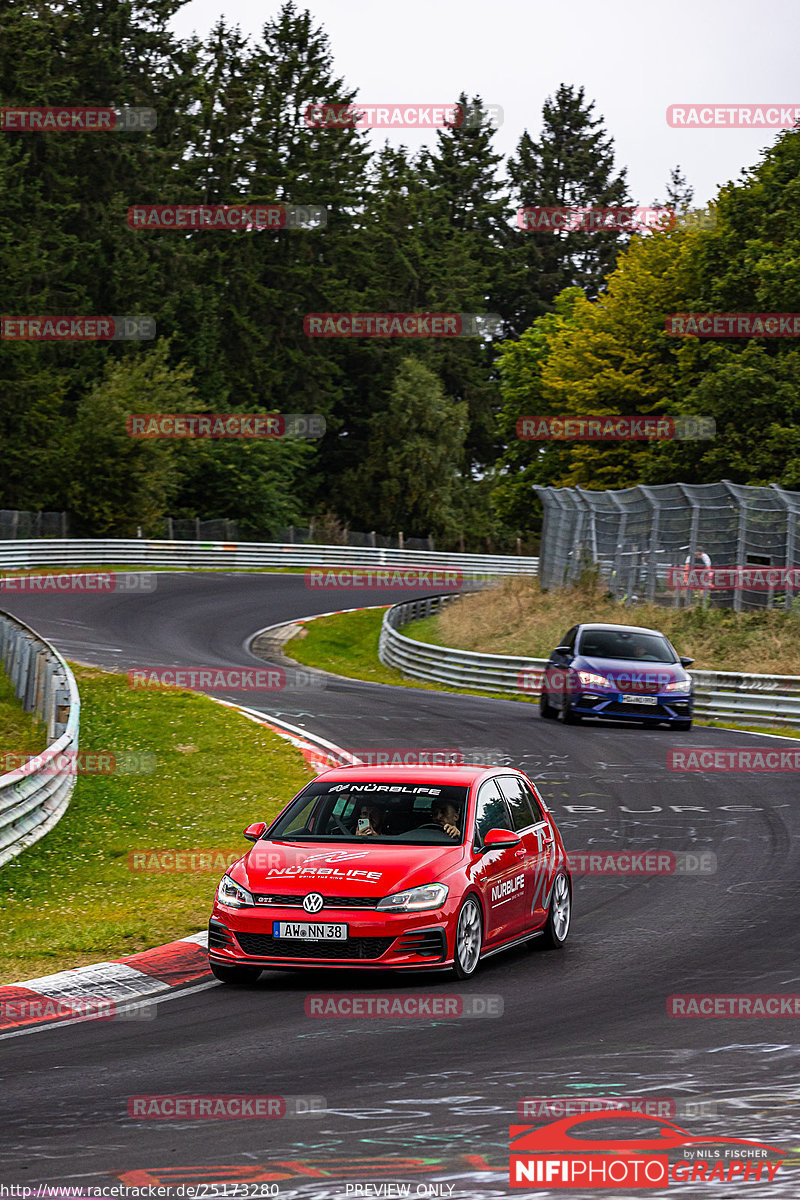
(446, 814)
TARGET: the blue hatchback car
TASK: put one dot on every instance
(619, 672)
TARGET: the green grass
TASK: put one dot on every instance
(347, 644)
(20, 732)
(72, 898)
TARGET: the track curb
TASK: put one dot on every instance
(112, 989)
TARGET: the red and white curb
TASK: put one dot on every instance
(106, 989)
(112, 989)
(319, 753)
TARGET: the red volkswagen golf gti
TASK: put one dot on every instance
(400, 867)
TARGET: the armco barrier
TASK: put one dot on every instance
(34, 797)
(237, 556)
(721, 695)
(441, 664)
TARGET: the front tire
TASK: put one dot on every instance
(568, 716)
(546, 709)
(683, 726)
(469, 939)
(559, 917)
(236, 975)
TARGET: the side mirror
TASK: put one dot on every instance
(686, 662)
(254, 832)
(500, 839)
(566, 650)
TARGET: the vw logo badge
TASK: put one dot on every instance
(313, 902)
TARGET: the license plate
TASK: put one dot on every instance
(310, 931)
(640, 699)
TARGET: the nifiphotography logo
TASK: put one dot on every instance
(582, 1151)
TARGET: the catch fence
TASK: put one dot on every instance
(725, 544)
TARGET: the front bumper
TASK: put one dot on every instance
(621, 706)
(239, 937)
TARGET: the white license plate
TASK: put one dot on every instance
(640, 699)
(310, 931)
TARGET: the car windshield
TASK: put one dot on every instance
(626, 643)
(373, 812)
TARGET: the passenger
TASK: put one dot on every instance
(446, 814)
(370, 821)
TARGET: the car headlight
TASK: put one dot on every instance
(681, 685)
(430, 895)
(590, 680)
(233, 894)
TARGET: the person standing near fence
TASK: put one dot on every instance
(700, 562)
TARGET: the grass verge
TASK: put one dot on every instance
(20, 732)
(72, 898)
(347, 644)
(518, 618)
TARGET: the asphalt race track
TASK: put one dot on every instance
(430, 1101)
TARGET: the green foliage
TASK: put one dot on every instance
(411, 475)
(428, 232)
(570, 164)
(119, 482)
(613, 355)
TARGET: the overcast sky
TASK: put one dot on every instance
(634, 59)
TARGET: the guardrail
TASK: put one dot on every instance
(719, 695)
(35, 796)
(233, 556)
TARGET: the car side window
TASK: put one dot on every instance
(491, 811)
(569, 638)
(517, 800)
(533, 800)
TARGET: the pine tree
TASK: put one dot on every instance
(570, 164)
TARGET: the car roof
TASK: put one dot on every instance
(459, 775)
(625, 628)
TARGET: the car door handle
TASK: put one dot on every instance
(520, 853)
